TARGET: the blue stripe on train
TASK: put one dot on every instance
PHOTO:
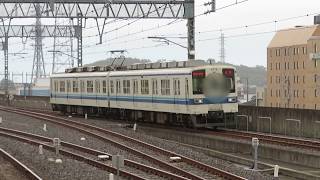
(160, 100)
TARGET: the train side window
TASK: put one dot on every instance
(111, 87)
(165, 87)
(68, 86)
(176, 87)
(62, 86)
(126, 86)
(89, 86)
(104, 86)
(154, 86)
(135, 87)
(118, 87)
(75, 86)
(97, 86)
(144, 87)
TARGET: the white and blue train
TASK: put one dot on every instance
(176, 93)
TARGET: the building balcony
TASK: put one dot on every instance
(315, 56)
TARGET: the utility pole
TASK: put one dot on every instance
(191, 35)
(247, 89)
(222, 48)
(79, 35)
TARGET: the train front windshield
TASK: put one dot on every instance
(214, 84)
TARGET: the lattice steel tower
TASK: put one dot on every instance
(38, 67)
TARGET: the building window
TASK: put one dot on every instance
(270, 66)
(304, 93)
(104, 87)
(62, 86)
(176, 87)
(135, 87)
(89, 86)
(111, 87)
(154, 87)
(315, 93)
(315, 48)
(126, 86)
(118, 87)
(304, 50)
(144, 87)
(165, 87)
(97, 86)
(75, 86)
(315, 78)
(285, 51)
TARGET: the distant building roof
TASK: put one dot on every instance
(294, 36)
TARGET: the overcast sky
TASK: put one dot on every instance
(241, 46)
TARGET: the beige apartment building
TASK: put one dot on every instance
(294, 68)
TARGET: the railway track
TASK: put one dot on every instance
(45, 141)
(269, 139)
(186, 167)
(20, 166)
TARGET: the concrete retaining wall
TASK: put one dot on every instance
(295, 122)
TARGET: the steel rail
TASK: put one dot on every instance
(73, 155)
(94, 152)
(80, 127)
(270, 139)
(19, 165)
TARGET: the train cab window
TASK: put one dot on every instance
(62, 86)
(154, 87)
(68, 86)
(165, 87)
(126, 86)
(198, 78)
(97, 86)
(111, 87)
(89, 86)
(75, 86)
(118, 87)
(135, 87)
(176, 87)
(144, 87)
(104, 86)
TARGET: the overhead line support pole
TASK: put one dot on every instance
(79, 38)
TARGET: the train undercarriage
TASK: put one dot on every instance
(210, 120)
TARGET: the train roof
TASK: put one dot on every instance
(166, 71)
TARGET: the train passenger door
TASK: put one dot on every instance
(108, 89)
(176, 92)
(135, 92)
(155, 92)
(187, 97)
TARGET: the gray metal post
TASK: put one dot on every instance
(6, 65)
(191, 39)
(191, 31)
(255, 144)
(79, 38)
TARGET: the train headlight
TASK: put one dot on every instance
(198, 101)
(232, 100)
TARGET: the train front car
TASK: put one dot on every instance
(215, 98)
